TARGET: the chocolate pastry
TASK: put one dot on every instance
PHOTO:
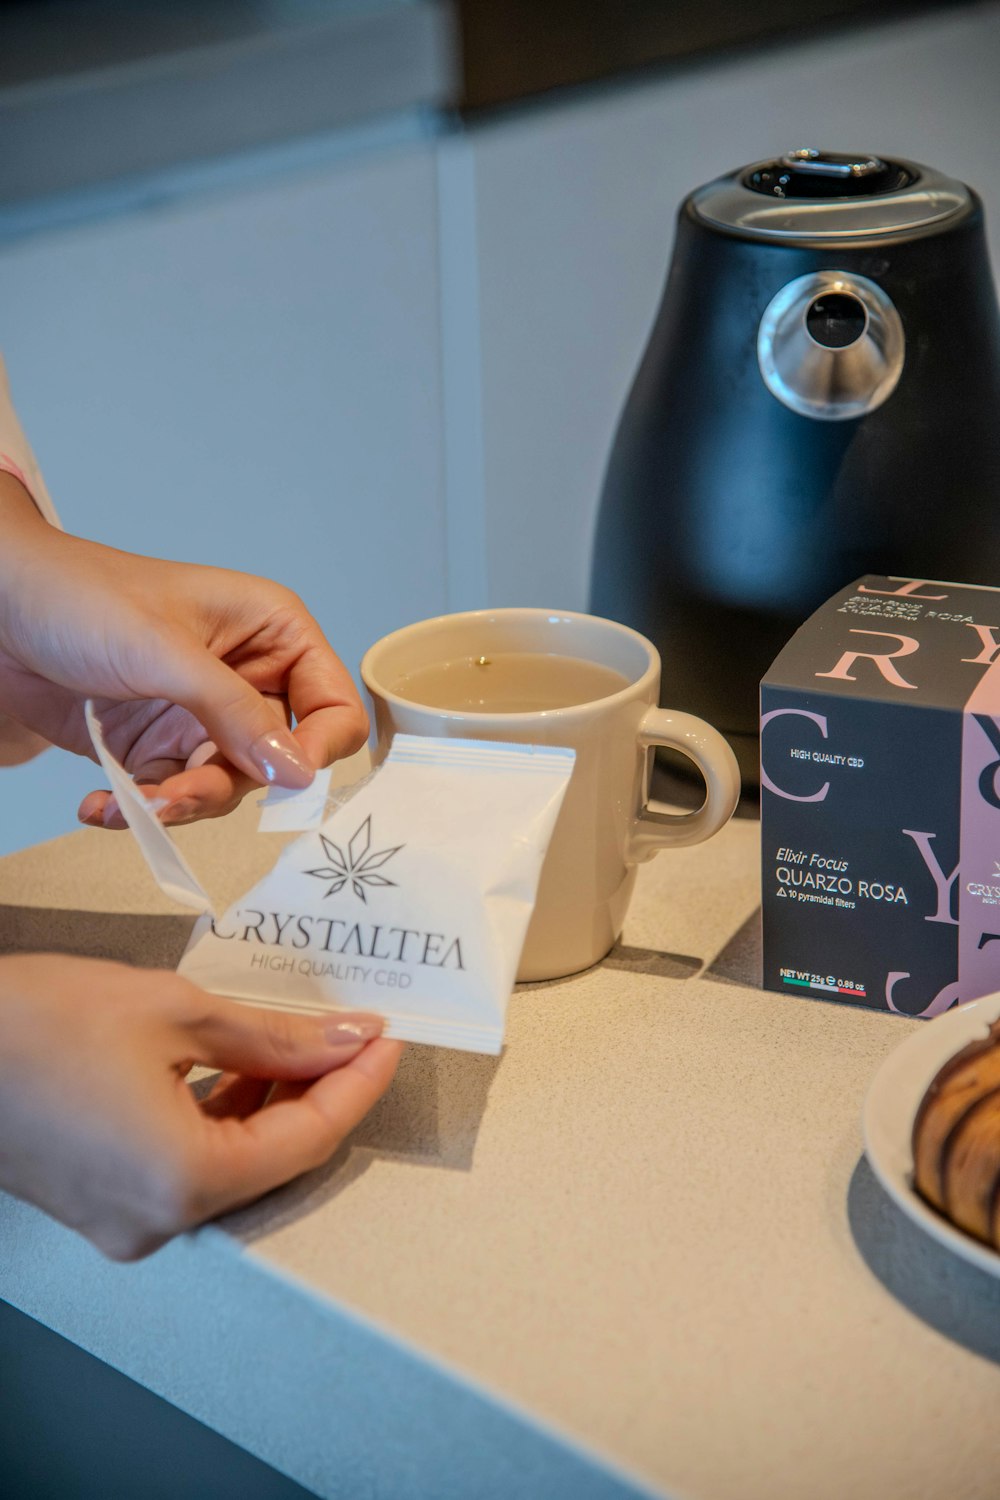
(956, 1139)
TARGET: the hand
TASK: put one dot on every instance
(99, 1128)
(195, 671)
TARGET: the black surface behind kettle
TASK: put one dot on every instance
(820, 398)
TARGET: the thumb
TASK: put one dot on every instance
(239, 719)
(275, 1044)
(283, 1139)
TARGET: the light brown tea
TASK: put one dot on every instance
(509, 682)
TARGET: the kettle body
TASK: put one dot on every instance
(819, 398)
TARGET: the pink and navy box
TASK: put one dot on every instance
(880, 799)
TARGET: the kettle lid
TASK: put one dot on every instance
(809, 194)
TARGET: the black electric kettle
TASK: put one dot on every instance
(820, 398)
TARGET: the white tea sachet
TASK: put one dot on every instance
(411, 900)
(171, 870)
(288, 810)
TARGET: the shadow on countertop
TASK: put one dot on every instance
(653, 961)
(740, 961)
(147, 940)
(955, 1298)
(430, 1118)
(676, 781)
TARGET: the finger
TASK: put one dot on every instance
(287, 1089)
(241, 721)
(206, 791)
(91, 809)
(330, 720)
(331, 734)
(187, 798)
(101, 810)
(246, 1158)
(204, 752)
(209, 791)
(152, 772)
(235, 1097)
(271, 1043)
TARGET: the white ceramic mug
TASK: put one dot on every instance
(607, 825)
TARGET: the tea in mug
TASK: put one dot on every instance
(509, 682)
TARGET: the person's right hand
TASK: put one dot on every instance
(99, 1128)
(196, 672)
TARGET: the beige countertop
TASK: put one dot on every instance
(641, 1251)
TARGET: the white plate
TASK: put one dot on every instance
(890, 1108)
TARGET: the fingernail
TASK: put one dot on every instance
(279, 759)
(345, 1033)
(109, 811)
(180, 811)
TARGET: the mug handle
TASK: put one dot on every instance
(655, 827)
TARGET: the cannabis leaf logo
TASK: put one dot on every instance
(359, 866)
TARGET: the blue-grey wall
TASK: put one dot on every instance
(385, 366)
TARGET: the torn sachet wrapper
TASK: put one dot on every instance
(410, 899)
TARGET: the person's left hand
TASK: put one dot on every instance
(195, 671)
(99, 1127)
